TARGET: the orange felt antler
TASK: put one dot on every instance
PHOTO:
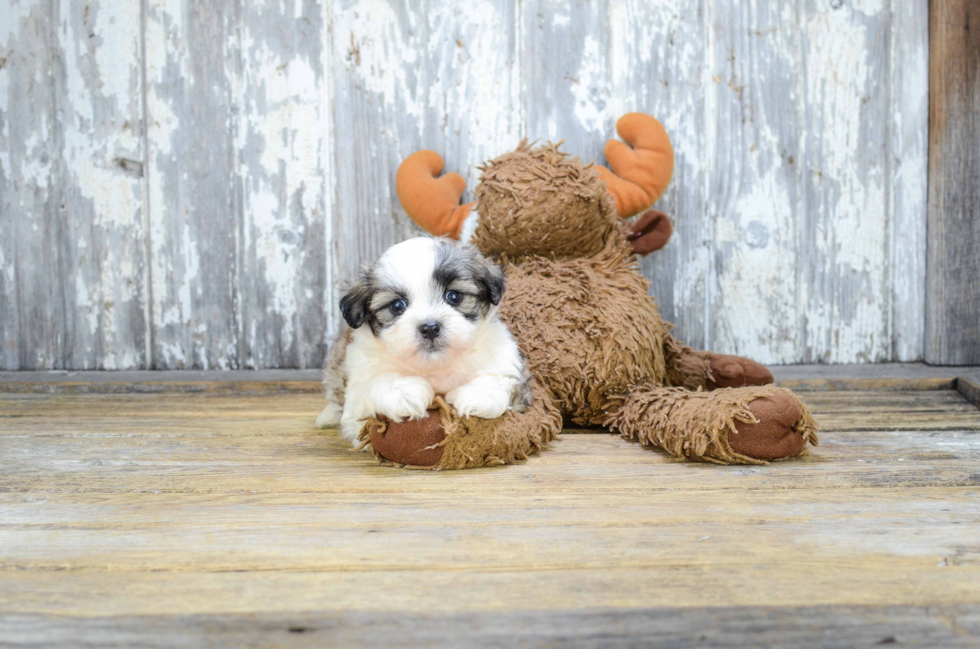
(431, 201)
(639, 174)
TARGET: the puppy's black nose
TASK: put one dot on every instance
(429, 330)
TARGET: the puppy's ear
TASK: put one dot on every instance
(354, 304)
(490, 278)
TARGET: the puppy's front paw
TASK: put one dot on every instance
(405, 398)
(480, 400)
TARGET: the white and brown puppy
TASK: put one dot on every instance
(423, 321)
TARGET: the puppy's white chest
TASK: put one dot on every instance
(443, 382)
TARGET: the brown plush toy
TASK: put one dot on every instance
(593, 338)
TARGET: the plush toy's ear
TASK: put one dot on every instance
(640, 174)
(432, 202)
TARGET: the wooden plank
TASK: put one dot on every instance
(111, 444)
(655, 50)
(879, 376)
(811, 626)
(100, 177)
(44, 408)
(953, 303)
(883, 582)
(213, 460)
(203, 533)
(969, 387)
(307, 383)
(147, 511)
(908, 145)
(885, 376)
(164, 381)
(875, 371)
(439, 75)
(239, 387)
(283, 145)
(566, 75)
(71, 286)
(755, 184)
(845, 253)
(888, 384)
(32, 251)
(192, 56)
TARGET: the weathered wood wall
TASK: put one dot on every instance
(953, 298)
(184, 184)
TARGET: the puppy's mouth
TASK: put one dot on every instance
(432, 347)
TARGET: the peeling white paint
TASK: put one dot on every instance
(39, 167)
(798, 195)
(377, 49)
(757, 232)
(594, 104)
(847, 186)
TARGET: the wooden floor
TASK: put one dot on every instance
(221, 517)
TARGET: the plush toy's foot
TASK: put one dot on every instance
(775, 435)
(416, 443)
(695, 370)
(736, 372)
(444, 440)
(749, 425)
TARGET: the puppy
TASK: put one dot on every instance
(423, 321)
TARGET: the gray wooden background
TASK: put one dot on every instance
(184, 184)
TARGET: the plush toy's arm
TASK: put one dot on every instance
(431, 201)
(641, 172)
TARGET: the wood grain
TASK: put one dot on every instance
(953, 305)
(969, 387)
(283, 146)
(32, 299)
(71, 254)
(182, 519)
(195, 196)
(755, 179)
(704, 627)
(100, 113)
(908, 161)
(846, 224)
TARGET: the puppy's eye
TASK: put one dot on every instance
(453, 297)
(398, 306)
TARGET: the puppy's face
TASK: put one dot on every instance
(425, 298)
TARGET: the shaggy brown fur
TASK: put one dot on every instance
(593, 338)
(697, 424)
(472, 442)
(582, 316)
(586, 327)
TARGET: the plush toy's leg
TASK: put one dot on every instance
(697, 369)
(444, 440)
(748, 425)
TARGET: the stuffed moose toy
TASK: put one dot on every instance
(596, 346)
